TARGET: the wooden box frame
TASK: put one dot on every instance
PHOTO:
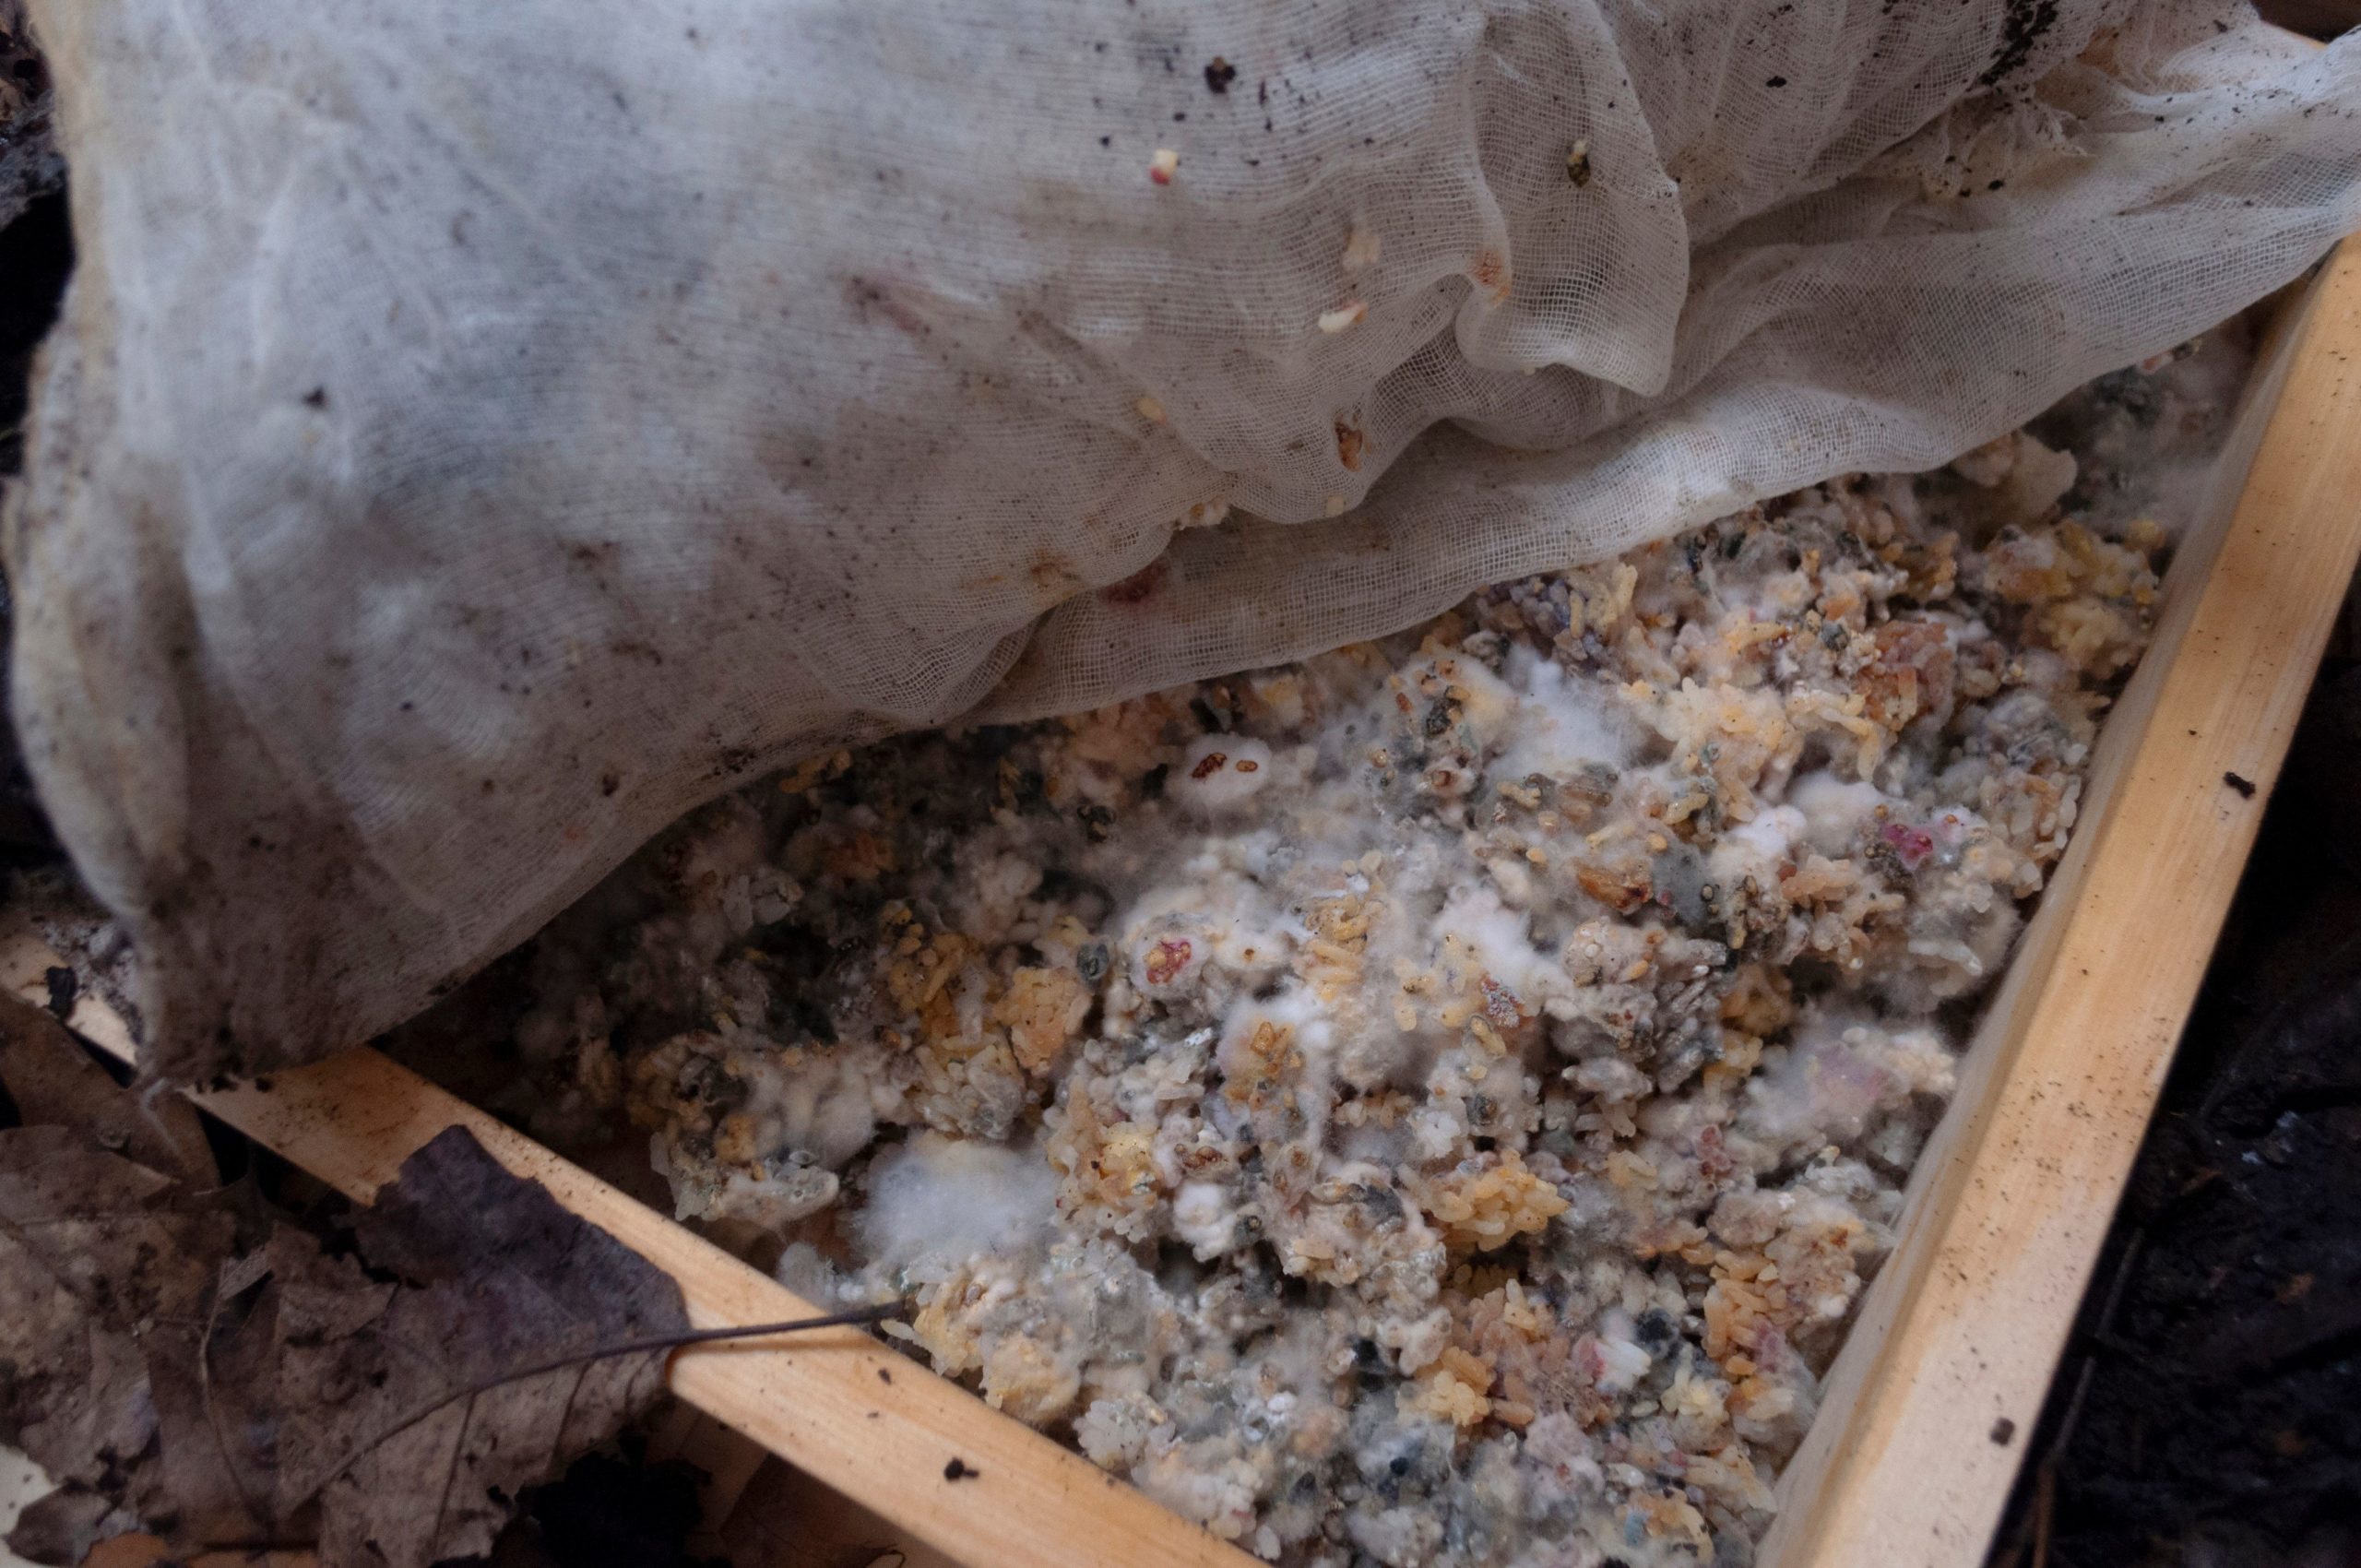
(1928, 1406)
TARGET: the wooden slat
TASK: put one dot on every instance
(872, 1424)
(1908, 1465)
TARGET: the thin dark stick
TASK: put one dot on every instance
(857, 1315)
(853, 1317)
(450, 1471)
(213, 1416)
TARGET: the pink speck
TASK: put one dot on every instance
(1167, 959)
(1589, 1362)
(1910, 845)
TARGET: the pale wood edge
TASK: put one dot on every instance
(1906, 1467)
(861, 1419)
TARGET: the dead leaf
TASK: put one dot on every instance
(64, 1526)
(171, 1368)
(54, 1083)
(496, 1276)
(95, 1261)
(216, 1388)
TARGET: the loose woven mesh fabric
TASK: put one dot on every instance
(478, 433)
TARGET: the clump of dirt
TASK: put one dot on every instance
(2204, 1415)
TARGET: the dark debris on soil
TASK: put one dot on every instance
(2207, 1413)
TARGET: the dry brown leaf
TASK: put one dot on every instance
(175, 1368)
(97, 1265)
(494, 1276)
(55, 1082)
(64, 1526)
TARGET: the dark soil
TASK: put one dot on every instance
(2208, 1410)
(609, 1511)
